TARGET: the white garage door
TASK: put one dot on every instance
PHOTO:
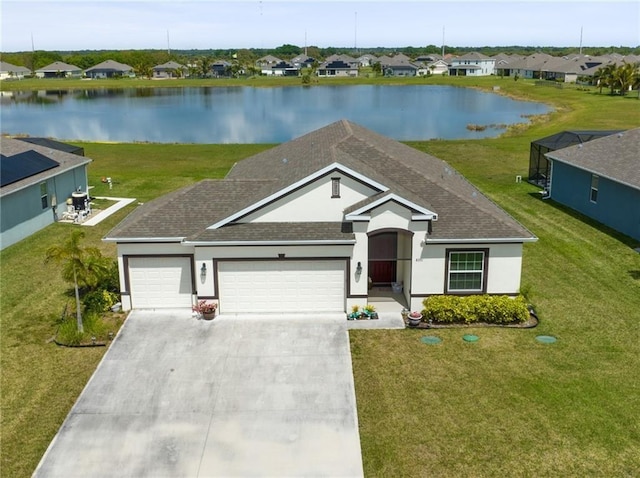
(281, 286)
(160, 282)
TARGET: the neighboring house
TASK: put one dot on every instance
(472, 64)
(37, 177)
(221, 69)
(12, 72)
(398, 65)
(528, 67)
(312, 224)
(601, 179)
(170, 69)
(437, 67)
(58, 69)
(109, 69)
(284, 69)
(266, 64)
(502, 62)
(366, 60)
(337, 68)
(344, 58)
(302, 61)
(539, 166)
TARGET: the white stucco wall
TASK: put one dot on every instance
(314, 202)
(503, 271)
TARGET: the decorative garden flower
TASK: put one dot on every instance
(205, 307)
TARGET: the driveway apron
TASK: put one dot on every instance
(179, 397)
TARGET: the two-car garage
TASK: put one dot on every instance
(281, 286)
(243, 286)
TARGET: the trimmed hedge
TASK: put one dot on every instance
(490, 309)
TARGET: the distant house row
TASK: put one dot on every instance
(568, 69)
(58, 69)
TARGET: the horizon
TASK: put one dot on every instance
(359, 25)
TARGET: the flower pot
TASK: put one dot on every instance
(209, 315)
(414, 321)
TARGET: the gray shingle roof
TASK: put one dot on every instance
(170, 65)
(59, 66)
(463, 211)
(4, 66)
(276, 231)
(111, 65)
(616, 157)
(66, 161)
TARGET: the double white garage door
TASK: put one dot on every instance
(243, 286)
(281, 286)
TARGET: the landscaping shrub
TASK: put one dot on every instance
(97, 327)
(451, 309)
(100, 300)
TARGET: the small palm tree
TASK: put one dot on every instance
(624, 76)
(82, 266)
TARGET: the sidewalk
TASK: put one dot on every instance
(102, 215)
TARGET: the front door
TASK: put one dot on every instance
(383, 249)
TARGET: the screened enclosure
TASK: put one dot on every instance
(539, 165)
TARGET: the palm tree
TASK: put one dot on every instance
(604, 76)
(204, 65)
(624, 76)
(82, 266)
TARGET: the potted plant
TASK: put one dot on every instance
(414, 318)
(355, 313)
(370, 311)
(206, 309)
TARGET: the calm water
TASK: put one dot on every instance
(258, 115)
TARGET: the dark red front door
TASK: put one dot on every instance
(383, 257)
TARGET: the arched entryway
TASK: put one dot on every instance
(389, 258)
(389, 269)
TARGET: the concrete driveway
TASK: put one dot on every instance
(179, 397)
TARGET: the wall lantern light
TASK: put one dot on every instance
(203, 271)
(359, 268)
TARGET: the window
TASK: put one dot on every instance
(44, 197)
(466, 271)
(335, 187)
(593, 197)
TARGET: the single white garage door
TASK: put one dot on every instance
(160, 282)
(281, 286)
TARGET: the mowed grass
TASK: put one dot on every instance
(505, 406)
(508, 405)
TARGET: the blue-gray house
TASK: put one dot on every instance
(601, 179)
(37, 177)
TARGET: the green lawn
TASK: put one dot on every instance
(505, 406)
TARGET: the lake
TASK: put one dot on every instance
(258, 115)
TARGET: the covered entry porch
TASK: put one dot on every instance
(389, 268)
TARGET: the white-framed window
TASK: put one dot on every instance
(466, 270)
(335, 187)
(44, 196)
(593, 195)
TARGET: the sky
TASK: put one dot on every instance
(204, 24)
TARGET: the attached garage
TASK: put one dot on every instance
(282, 286)
(160, 282)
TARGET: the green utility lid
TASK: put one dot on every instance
(470, 338)
(430, 339)
(546, 339)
